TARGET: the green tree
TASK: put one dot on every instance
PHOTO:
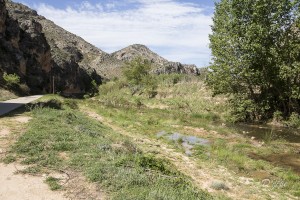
(256, 57)
(136, 70)
(137, 73)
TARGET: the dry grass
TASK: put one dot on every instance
(6, 95)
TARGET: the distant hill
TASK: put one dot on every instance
(160, 64)
(44, 54)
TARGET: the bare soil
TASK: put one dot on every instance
(25, 187)
(15, 186)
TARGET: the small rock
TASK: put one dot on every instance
(266, 181)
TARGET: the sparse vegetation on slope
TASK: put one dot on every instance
(184, 105)
(6, 94)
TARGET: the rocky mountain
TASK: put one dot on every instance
(138, 50)
(45, 56)
(160, 64)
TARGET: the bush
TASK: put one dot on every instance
(294, 120)
(137, 73)
(137, 70)
(11, 79)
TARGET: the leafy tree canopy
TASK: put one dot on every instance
(256, 56)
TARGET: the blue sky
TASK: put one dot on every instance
(176, 30)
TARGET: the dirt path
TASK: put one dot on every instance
(25, 187)
(202, 175)
(17, 186)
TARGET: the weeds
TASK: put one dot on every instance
(53, 183)
(9, 159)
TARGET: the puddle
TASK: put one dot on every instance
(265, 132)
(187, 142)
(291, 161)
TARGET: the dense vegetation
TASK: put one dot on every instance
(256, 57)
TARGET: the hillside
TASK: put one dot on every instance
(45, 55)
(160, 64)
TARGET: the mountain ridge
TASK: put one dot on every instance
(161, 65)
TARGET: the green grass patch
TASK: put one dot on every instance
(53, 183)
(103, 155)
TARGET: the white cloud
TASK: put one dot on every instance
(181, 29)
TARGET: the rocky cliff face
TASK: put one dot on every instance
(160, 64)
(45, 55)
(23, 48)
(28, 49)
(177, 67)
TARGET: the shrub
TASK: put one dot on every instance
(294, 120)
(137, 73)
(11, 79)
(277, 116)
(136, 70)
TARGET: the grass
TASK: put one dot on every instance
(183, 104)
(53, 183)
(103, 155)
(188, 103)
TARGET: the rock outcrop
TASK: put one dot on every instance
(39, 57)
(177, 67)
(138, 50)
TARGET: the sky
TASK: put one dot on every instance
(176, 30)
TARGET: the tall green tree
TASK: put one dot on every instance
(256, 56)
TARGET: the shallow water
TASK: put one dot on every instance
(270, 133)
(291, 161)
(263, 132)
(187, 142)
